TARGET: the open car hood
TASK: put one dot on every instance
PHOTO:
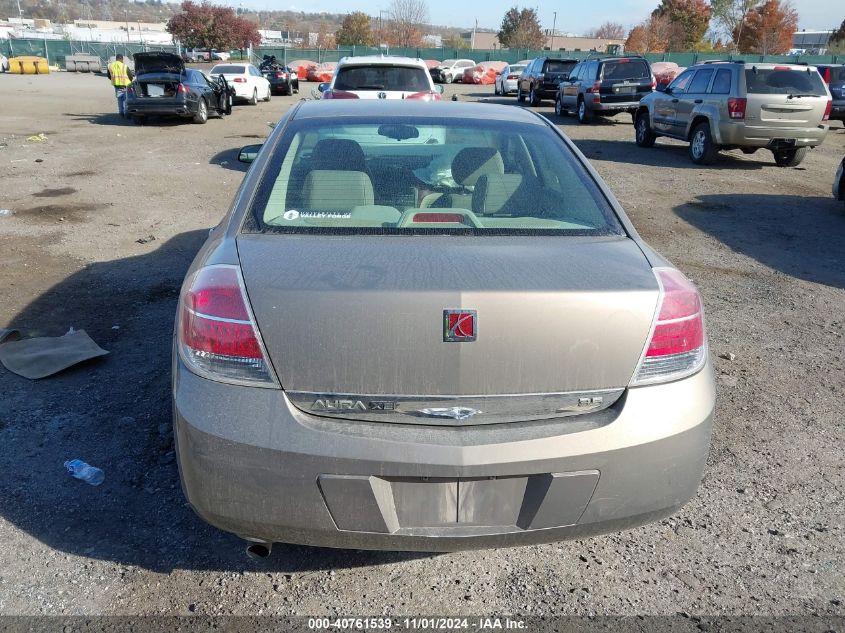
(158, 63)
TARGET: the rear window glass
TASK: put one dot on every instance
(222, 69)
(779, 81)
(430, 175)
(634, 69)
(382, 78)
(556, 66)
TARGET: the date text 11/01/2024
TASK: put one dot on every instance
(422, 623)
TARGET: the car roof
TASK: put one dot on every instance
(389, 108)
(382, 60)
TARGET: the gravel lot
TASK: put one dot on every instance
(765, 245)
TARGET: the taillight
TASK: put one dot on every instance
(596, 88)
(424, 96)
(339, 94)
(281, 76)
(677, 346)
(653, 83)
(217, 335)
(239, 80)
(513, 76)
(827, 110)
(826, 76)
(736, 108)
(182, 89)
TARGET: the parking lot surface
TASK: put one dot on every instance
(107, 216)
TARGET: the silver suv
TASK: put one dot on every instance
(733, 105)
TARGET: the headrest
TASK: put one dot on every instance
(337, 190)
(338, 153)
(473, 162)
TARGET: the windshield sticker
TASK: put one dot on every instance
(293, 214)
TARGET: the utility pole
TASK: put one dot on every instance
(554, 22)
(20, 11)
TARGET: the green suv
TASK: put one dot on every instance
(734, 105)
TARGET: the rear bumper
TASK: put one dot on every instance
(622, 106)
(252, 464)
(762, 136)
(154, 107)
(510, 85)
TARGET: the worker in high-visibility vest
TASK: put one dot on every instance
(121, 76)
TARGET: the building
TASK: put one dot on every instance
(810, 42)
(488, 39)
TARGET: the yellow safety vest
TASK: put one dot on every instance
(119, 74)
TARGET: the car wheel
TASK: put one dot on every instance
(558, 107)
(702, 150)
(496, 89)
(202, 112)
(254, 99)
(269, 91)
(519, 96)
(584, 115)
(789, 157)
(644, 134)
(533, 99)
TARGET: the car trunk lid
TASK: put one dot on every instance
(158, 63)
(352, 323)
(784, 96)
(625, 80)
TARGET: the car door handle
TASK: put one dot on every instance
(699, 101)
(674, 101)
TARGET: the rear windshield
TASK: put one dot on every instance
(557, 66)
(626, 69)
(401, 78)
(783, 81)
(427, 175)
(225, 69)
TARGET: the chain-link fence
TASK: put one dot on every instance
(56, 51)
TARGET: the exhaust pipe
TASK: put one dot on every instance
(259, 550)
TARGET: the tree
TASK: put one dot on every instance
(207, 26)
(521, 29)
(836, 45)
(731, 14)
(407, 17)
(355, 30)
(652, 36)
(689, 20)
(454, 40)
(608, 31)
(768, 29)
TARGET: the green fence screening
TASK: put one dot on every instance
(56, 51)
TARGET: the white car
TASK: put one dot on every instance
(381, 77)
(247, 80)
(220, 55)
(508, 78)
(452, 70)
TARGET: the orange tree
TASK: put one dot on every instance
(768, 29)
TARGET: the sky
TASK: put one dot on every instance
(813, 14)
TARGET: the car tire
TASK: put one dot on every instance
(789, 157)
(201, 115)
(269, 94)
(254, 99)
(644, 135)
(519, 96)
(584, 114)
(558, 107)
(702, 149)
(496, 89)
(533, 100)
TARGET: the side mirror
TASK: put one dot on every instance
(323, 87)
(662, 88)
(439, 88)
(248, 153)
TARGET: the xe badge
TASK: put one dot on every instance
(460, 325)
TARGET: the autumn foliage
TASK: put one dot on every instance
(768, 29)
(209, 26)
